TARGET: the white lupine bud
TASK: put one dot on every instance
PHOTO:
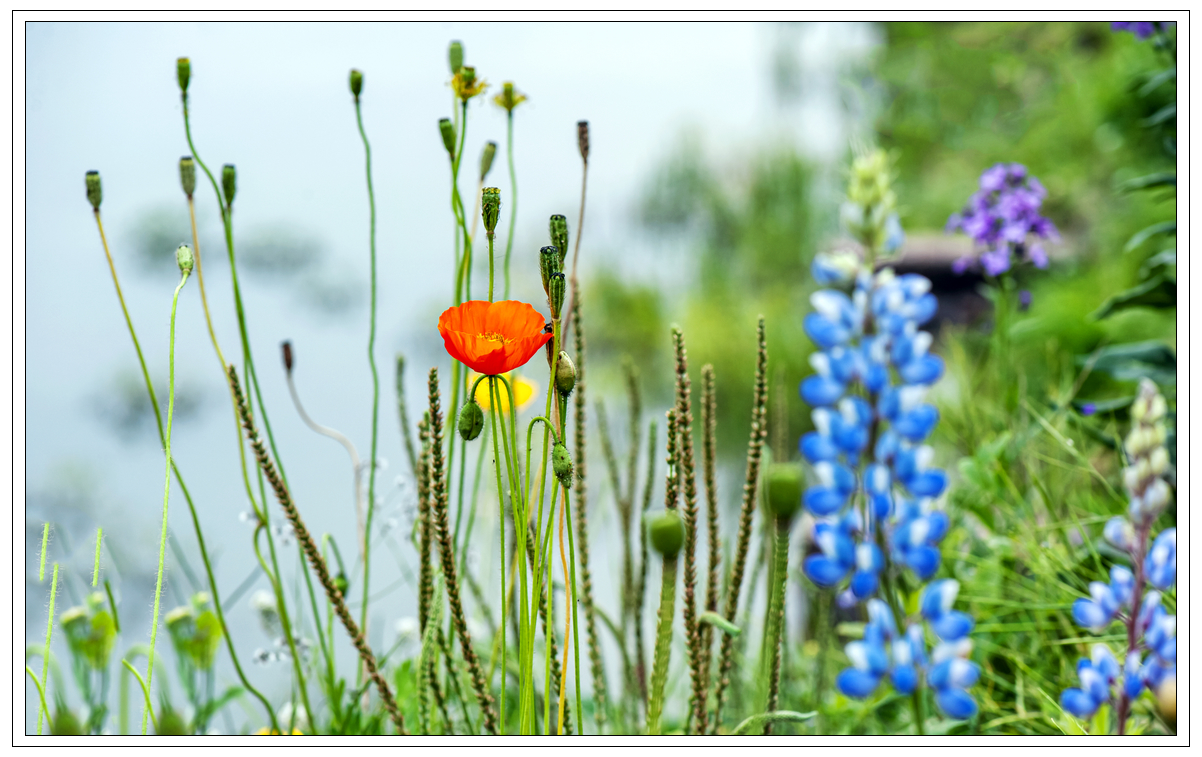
(864, 556)
(857, 653)
(923, 457)
(825, 471)
(822, 421)
(922, 343)
(1130, 479)
(910, 397)
(1158, 461)
(847, 409)
(948, 650)
(1156, 409)
(1156, 497)
(827, 304)
(821, 363)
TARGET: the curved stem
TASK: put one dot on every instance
(46, 649)
(493, 410)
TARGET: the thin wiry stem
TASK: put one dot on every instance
(776, 617)
(46, 649)
(708, 463)
(406, 434)
(667, 592)
(513, 198)
(280, 487)
(641, 596)
(755, 446)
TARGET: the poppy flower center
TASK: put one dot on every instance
(493, 336)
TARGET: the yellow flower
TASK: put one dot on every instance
(272, 732)
(509, 98)
(524, 391)
(466, 85)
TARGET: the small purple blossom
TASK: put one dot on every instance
(1024, 300)
(1089, 408)
(1141, 29)
(1003, 219)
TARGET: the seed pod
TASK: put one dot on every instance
(92, 181)
(667, 533)
(187, 175)
(486, 158)
(471, 420)
(784, 484)
(229, 183)
(286, 349)
(582, 139)
(184, 259)
(558, 288)
(561, 463)
(455, 56)
(447, 129)
(565, 374)
(490, 205)
(356, 83)
(559, 235)
(183, 70)
(548, 264)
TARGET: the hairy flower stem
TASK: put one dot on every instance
(158, 586)
(641, 592)
(513, 201)
(755, 446)
(438, 500)
(776, 616)
(158, 417)
(684, 421)
(49, 631)
(663, 646)
(709, 463)
(280, 488)
(403, 413)
(596, 668)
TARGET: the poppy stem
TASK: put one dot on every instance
(492, 414)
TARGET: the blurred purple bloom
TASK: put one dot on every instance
(1089, 408)
(1001, 218)
(1141, 29)
(1024, 300)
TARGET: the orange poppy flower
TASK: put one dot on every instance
(492, 337)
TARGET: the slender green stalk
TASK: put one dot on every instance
(776, 616)
(46, 648)
(709, 463)
(641, 595)
(42, 559)
(755, 446)
(158, 587)
(96, 567)
(406, 434)
(513, 205)
(145, 694)
(41, 696)
(663, 646)
(493, 410)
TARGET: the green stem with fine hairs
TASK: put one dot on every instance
(46, 649)
(158, 587)
(492, 414)
(663, 646)
(375, 379)
(96, 567)
(776, 614)
(513, 201)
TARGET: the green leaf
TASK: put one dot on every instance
(1162, 115)
(762, 719)
(1157, 292)
(1159, 78)
(1164, 227)
(1160, 179)
(1131, 362)
(719, 622)
(1165, 259)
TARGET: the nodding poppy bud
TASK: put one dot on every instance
(229, 183)
(183, 70)
(184, 259)
(92, 181)
(784, 488)
(559, 235)
(455, 56)
(667, 533)
(486, 158)
(490, 205)
(471, 420)
(582, 139)
(561, 462)
(558, 288)
(356, 83)
(341, 584)
(286, 349)
(565, 374)
(187, 175)
(548, 264)
(447, 129)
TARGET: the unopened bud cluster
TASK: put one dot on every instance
(184, 259)
(490, 204)
(1144, 477)
(550, 264)
(90, 631)
(870, 213)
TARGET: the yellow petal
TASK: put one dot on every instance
(524, 391)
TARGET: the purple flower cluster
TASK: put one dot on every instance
(1002, 217)
(1141, 29)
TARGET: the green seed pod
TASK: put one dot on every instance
(356, 83)
(486, 158)
(559, 235)
(548, 265)
(341, 584)
(171, 723)
(559, 288)
(447, 129)
(92, 181)
(455, 56)
(561, 462)
(667, 533)
(784, 484)
(229, 183)
(184, 259)
(471, 420)
(565, 374)
(582, 139)
(183, 70)
(187, 175)
(64, 723)
(491, 207)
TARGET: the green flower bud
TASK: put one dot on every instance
(92, 181)
(229, 183)
(206, 640)
(471, 420)
(559, 235)
(491, 207)
(447, 129)
(565, 374)
(561, 463)
(90, 632)
(341, 584)
(184, 259)
(582, 139)
(455, 56)
(183, 70)
(548, 265)
(171, 723)
(187, 175)
(558, 288)
(667, 533)
(64, 723)
(486, 158)
(356, 83)
(783, 487)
